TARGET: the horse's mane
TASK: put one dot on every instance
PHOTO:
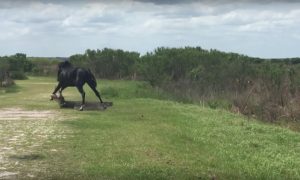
(64, 64)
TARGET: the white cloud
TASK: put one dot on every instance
(13, 33)
(141, 27)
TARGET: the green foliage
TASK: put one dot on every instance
(15, 66)
(263, 88)
(152, 69)
(108, 63)
(18, 75)
(193, 74)
(43, 66)
(219, 104)
(260, 87)
(4, 67)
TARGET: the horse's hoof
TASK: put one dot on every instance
(81, 108)
(53, 96)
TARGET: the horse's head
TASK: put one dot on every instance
(61, 66)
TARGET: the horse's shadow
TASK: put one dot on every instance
(77, 104)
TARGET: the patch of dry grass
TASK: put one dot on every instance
(28, 130)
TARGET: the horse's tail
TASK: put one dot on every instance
(92, 79)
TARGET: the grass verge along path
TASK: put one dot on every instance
(144, 136)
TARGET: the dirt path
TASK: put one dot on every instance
(24, 136)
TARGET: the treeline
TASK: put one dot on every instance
(43, 66)
(263, 88)
(18, 66)
(109, 63)
(13, 67)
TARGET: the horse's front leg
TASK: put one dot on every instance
(60, 90)
(55, 91)
(80, 89)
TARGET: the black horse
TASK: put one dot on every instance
(68, 75)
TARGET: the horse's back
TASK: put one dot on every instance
(76, 77)
(67, 76)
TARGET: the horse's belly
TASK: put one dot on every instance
(67, 83)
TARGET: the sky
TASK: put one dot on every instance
(57, 28)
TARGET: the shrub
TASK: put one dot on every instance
(18, 75)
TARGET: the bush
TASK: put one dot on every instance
(19, 75)
(219, 103)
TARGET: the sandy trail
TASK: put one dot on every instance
(23, 135)
(18, 114)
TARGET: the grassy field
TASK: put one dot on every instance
(143, 136)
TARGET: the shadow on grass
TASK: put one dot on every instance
(28, 157)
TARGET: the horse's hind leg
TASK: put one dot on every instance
(95, 91)
(80, 89)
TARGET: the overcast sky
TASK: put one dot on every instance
(260, 28)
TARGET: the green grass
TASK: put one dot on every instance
(145, 136)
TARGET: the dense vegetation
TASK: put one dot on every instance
(42, 66)
(267, 89)
(108, 63)
(13, 67)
